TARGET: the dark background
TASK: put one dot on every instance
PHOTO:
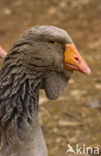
(76, 116)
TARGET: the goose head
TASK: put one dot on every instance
(51, 48)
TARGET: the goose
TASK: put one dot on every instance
(43, 57)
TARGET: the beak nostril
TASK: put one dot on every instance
(77, 59)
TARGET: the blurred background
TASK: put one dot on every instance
(74, 118)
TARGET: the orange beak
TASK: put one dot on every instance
(74, 61)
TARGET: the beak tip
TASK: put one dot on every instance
(2, 53)
(87, 70)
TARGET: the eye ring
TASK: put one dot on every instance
(52, 42)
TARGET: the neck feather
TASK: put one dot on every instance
(19, 124)
(18, 94)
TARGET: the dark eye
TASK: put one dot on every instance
(52, 42)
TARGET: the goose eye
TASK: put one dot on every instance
(52, 42)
